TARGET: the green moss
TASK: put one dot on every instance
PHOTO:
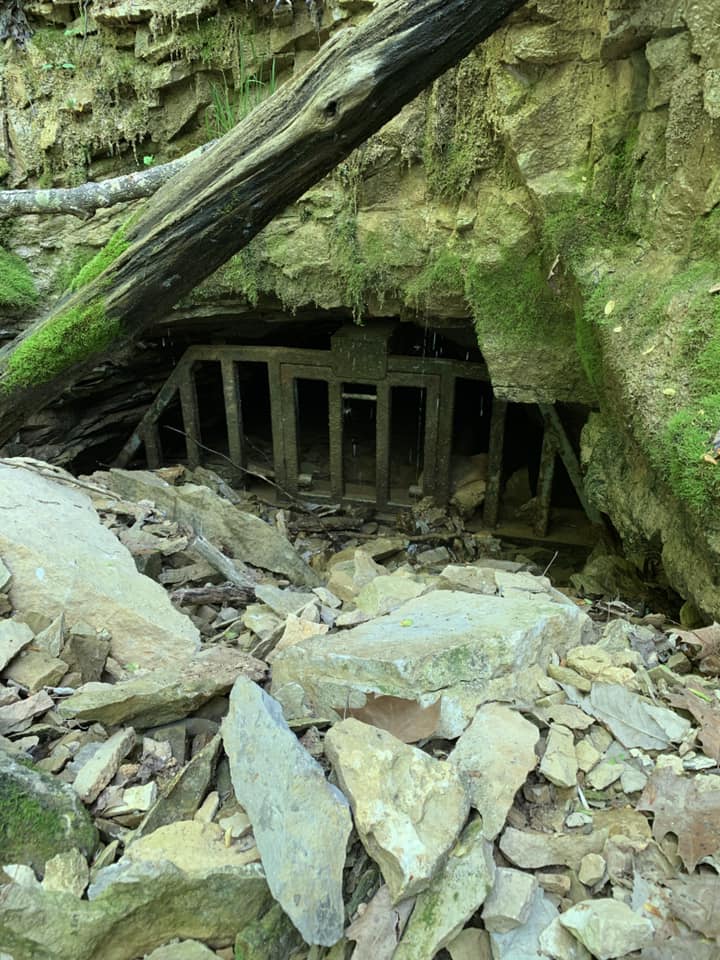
(117, 244)
(362, 268)
(68, 270)
(444, 276)
(242, 274)
(515, 301)
(4, 167)
(459, 140)
(29, 831)
(17, 287)
(685, 440)
(66, 339)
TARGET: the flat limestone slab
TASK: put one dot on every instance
(300, 821)
(468, 648)
(63, 559)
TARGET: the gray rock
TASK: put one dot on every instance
(39, 817)
(183, 950)
(452, 898)
(63, 559)
(467, 647)
(495, 755)
(102, 766)
(162, 696)
(607, 927)
(283, 602)
(523, 942)
(34, 669)
(5, 576)
(245, 536)
(408, 808)
(557, 942)
(508, 906)
(301, 823)
(14, 636)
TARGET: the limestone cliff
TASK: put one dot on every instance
(559, 189)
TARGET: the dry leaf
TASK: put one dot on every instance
(707, 715)
(696, 901)
(708, 640)
(689, 808)
(404, 719)
(377, 930)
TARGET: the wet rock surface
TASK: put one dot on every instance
(387, 807)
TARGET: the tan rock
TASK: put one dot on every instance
(102, 766)
(559, 763)
(408, 808)
(35, 669)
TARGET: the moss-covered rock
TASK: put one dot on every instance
(39, 816)
(17, 287)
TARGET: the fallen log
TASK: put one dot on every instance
(214, 206)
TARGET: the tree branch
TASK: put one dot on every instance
(84, 200)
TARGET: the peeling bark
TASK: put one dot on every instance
(214, 206)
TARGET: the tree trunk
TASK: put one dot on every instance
(214, 206)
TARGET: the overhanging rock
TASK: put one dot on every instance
(466, 648)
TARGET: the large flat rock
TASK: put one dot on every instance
(467, 648)
(63, 559)
(300, 821)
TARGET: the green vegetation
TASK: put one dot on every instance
(117, 244)
(228, 109)
(17, 287)
(459, 140)
(443, 276)
(72, 336)
(514, 298)
(362, 267)
(27, 828)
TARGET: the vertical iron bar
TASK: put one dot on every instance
(276, 417)
(495, 462)
(233, 415)
(545, 483)
(383, 414)
(190, 414)
(335, 428)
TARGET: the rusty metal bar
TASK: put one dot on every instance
(443, 450)
(382, 445)
(233, 415)
(190, 414)
(153, 445)
(554, 425)
(276, 418)
(289, 419)
(495, 462)
(335, 428)
(546, 475)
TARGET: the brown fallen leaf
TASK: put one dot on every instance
(404, 719)
(687, 807)
(696, 901)
(707, 714)
(708, 641)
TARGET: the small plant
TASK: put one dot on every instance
(148, 160)
(228, 108)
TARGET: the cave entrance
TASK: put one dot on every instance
(389, 414)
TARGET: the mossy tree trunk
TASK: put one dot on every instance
(214, 206)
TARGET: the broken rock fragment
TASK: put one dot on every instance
(300, 821)
(454, 895)
(408, 808)
(102, 766)
(14, 636)
(508, 906)
(162, 696)
(607, 928)
(495, 755)
(559, 763)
